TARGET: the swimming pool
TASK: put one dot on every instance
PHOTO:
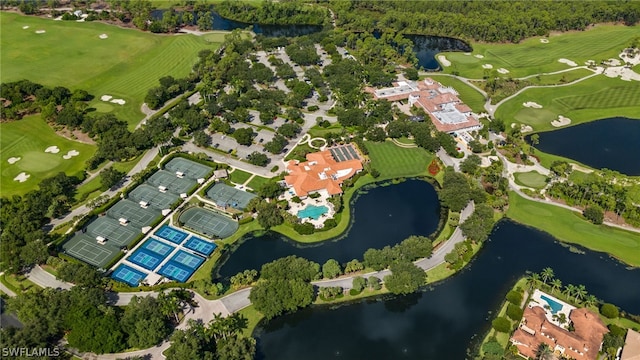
(312, 211)
(554, 305)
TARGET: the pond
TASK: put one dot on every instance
(443, 321)
(220, 23)
(427, 47)
(382, 215)
(612, 143)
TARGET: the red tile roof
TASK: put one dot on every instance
(320, 172)
(583, 343)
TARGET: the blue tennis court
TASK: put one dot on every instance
(175, 272)
(158, 247)
(145, 258)
(189, 260)
(168, 233)
(200, 246)
(128, 275)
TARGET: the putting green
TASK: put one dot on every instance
(16, 140)
(531, 56)
(71, 54)
(102, 107)
(531, 179)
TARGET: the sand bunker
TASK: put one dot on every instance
(525, 128)
(568, 62)
(118, 101)
(25, 27)
(106, 97)
(590, 63)
(443, 60)
(103, 36)
(52, 149)
(22, 177)
(40, 31)
(544, 41)
(562, 121)
(71, 154)
(503, 71)
(531, 104)
(479, 56)
(622, 72)
(487, 66)
(467, 54)
(13, 160)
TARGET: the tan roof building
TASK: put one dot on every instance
(631, 349)
(447, 112)
(581, 344)
(323, 170)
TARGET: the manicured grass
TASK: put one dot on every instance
(257, 182)
(533, 57)
(318, 131)
(595, 98)
(561, 78)
(293, 154)
(467, 94)
(17, 283)
(253, 316)
(570, 226)
(393, 161)
(27, 139)
(239, 177)
(531, 179)
(125, 65)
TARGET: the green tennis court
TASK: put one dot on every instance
(153, 197)
(190, 169)
(225, 195)
(111, 230)
(171, 182)
(208, 222)
(139, 217)
(85, 248)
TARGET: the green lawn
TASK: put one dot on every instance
(17, 140)
(569, 226)
(531, 179)
(393, 161)
(257, 182)
(561, 78)
(533, 57)
(468, 95)
(125, 65)
(596, 98)
(239, 177)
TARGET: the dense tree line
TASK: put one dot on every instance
(410, 249)
(24, 97)
(284, 286)
(22, 240)
(168, 89)
(481, 20)
(89, 324)
(597, 192)
(281, 13)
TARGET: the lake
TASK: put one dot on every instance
(382, 215)
(444, 320)
(220, 23)
(612, 143)
(427, 47)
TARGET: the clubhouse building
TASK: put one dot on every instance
(324, 171)
(446, 111)
(541, 324)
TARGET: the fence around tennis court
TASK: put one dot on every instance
(227, 196)
(208, 223)
(188, 168)
(153, 197)
(134, 213)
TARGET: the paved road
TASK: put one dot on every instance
(81, 210)
(43, 279)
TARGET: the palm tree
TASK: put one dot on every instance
(547, 274)
(556, 284)
(543, 352)
(590, 300)
(580, 292)
(569, 290)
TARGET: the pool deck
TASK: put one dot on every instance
(323, 200)
(537, 300)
